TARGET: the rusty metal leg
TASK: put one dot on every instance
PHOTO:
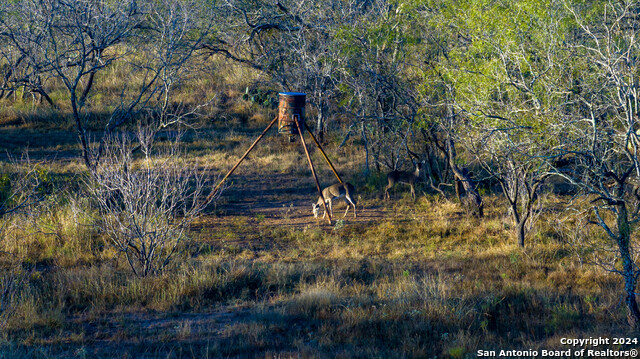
(313, 171)
(215, 190)
(324, 155)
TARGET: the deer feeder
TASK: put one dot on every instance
(290, 120)
(290, 113)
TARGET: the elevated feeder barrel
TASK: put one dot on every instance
(290, 110)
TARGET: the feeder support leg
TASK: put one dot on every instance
(324, 155)
(215, 190)
(313, 171)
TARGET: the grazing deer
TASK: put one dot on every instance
(344, 190)
(404, 177)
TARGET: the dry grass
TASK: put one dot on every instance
(419, 279)
(428, 281)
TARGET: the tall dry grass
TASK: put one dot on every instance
(428, 281)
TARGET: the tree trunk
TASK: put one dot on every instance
(459, 189)
(87, 88)
(46, 96)
(470, 193)
(521, 232)
(86, 154)
(624, 230)
(366, 150)
(320, 122)
(519, 219)
(431, 149)
(434, 167)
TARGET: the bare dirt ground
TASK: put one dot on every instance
(284, 200)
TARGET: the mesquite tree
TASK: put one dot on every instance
(600, 146)
(68, 40)
(513, 158)
(290, 42)
(349, 56)
(72, 41)
(507, 102)
(146, 204)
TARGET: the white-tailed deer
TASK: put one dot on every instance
(344, 190)
(404, 177)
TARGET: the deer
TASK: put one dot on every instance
(344, 190)
(404, 177)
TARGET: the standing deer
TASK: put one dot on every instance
(344, 190)
(404, 177)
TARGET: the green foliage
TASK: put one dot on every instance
(263, 98)
(5, 189)
(457, 352)
(42, 177)
(24, 186)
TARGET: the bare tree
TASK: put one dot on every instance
(599, 148)
(289, 41)
(163, 55)
(377, 88)
(512, 157)
(448, 134)
(146, 206)
(73, 41)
